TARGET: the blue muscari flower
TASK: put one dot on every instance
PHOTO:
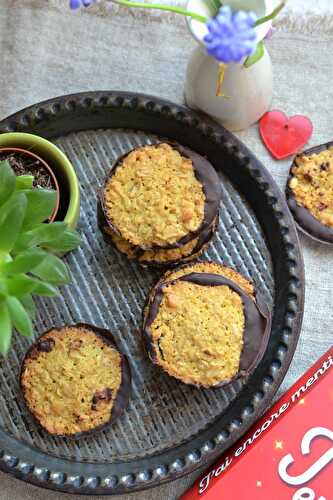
(76, 4)
(231, 35)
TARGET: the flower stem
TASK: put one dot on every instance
(220, 80)
(168, 8)
(270, 16)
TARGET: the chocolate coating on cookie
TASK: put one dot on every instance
(117, 398)
(306, 221)
(207, 177)
(139, 255)
(256, 330)
(209, 267)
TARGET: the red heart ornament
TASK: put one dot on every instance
(284, 136)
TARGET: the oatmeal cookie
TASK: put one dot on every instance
(158, 257)
(204, 329)
(161, 196)
(74, 380)
(310, 191)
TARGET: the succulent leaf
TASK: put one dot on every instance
(24, 182)
(19, 285)
(69, 240)
(24, 262)
(53, 270)
(7, 181)
(5, 328)
(44, 289)
(11, 225)
(40, 206)
(41, 234)
(19, 316)
(29, 305)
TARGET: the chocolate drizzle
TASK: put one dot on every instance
(205, 174)
(307, 222)
(257, 321)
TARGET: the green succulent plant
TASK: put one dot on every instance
(28, 245)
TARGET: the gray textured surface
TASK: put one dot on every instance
(46, 52)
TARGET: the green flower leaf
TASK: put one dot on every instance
(24, 182)
(41, 203)
(214, 6)
(68, 241)
(24, 262)
(19, 316)
(11, 224)
(29, 305)
(257, 54)
(272, 15)
(7, 181)
(53, 270)
(5, 328)
(42, 234)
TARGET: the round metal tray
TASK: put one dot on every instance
(169, 429)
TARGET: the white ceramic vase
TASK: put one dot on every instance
(249, 90)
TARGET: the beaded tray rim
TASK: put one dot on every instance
(113, 109)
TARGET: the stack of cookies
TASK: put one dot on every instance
(160, 204)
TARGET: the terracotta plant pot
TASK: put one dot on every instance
(23, 152)
(58, 166)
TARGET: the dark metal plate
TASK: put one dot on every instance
(169, 428)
